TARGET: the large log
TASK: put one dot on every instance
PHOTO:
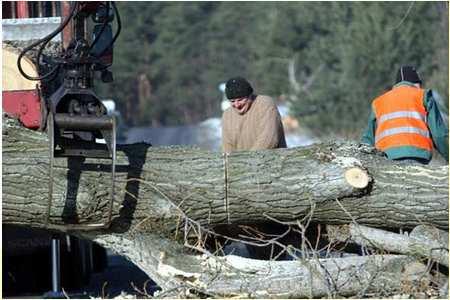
(156, 185)
(174, 269)
(160, 189)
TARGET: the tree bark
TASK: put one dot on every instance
(154, 186)
(160, 189)
(168, 264)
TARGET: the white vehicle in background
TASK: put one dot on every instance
(110, 105)
(225, 103)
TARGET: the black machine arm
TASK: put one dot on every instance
(77, 119)
(100, 12)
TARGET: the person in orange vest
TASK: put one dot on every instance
(405, 122)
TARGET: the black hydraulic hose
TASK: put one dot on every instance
(119, 27)
(45, 40)
(119, 23)
(52, 73)
(102, 29)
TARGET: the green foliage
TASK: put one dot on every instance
(368, 49)
(344, 54)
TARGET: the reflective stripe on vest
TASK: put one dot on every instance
(398, 130)
(402, 114)
(401, 119)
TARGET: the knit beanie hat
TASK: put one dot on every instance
(238, 87)
(408, 73)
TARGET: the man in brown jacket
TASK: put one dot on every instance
(252, 122)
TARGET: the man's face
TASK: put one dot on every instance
(241, 105)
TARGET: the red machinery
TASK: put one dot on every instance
(72, 113)
(22, 100)
(56, 92)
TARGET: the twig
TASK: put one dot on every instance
(65, 293)
(103, 290)
(144, 291)
(404, 17)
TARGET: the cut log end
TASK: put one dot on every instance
(357, 177)
(12, 80)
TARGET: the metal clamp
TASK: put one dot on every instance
(106, 125)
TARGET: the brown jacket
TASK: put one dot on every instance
(259, 128)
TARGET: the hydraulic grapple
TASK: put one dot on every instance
(75, 117)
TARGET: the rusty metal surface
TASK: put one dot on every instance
(23, 105)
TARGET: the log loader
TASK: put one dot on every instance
(54, 93)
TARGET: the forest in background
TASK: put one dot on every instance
(326, 60)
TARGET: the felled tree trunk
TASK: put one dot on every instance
(159, 189)
(173, 269)
(155, 185)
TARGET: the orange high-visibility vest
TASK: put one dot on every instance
(401, 119)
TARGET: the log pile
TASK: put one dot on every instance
(169, 201)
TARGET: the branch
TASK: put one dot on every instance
(423, 242)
